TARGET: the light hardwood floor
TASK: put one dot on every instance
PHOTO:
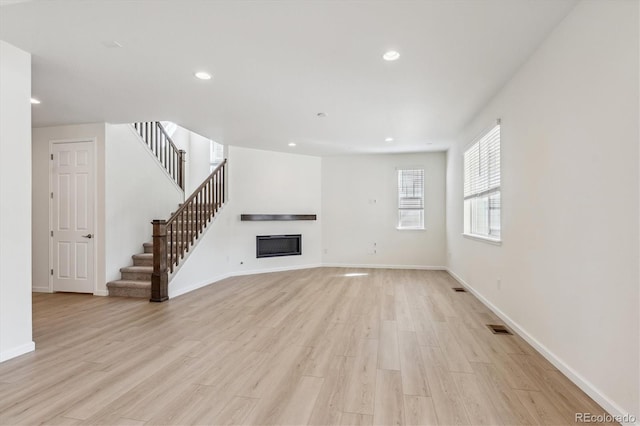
(324, 346)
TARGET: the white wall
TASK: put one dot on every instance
(137, 190)
(41, 138)
(273, 183)
(15, 209)
(259, 182)
(180, 138)
(359, 208)
(569, 260)
(198, 158)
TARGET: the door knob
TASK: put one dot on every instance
(87, 236)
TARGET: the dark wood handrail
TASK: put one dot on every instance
(174, 237)
(160, 143)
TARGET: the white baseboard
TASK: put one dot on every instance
(101, 293)
(376, 266)
(20, 350)
(610, 406)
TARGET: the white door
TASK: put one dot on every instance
(72, 221)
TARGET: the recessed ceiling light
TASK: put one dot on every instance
(388, 139)
(292, 144)
(35, 101)
(321, 114)
(391, 55)
(203, 75)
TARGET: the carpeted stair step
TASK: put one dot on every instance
(143, 259)
(136, 273)
(130, 288)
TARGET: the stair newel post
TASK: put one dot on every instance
(182, 158)
(224, 182)
(160, 275)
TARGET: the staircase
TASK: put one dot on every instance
(135, 280)
(173, 238)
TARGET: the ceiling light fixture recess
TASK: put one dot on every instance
(203, 75)
(391, 55)
(35, 101)
(292, 144)
(388, 139)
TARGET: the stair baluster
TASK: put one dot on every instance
(160, 143)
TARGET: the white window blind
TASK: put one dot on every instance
(482, 186)
(411, 199)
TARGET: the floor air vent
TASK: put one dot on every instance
(459, 289)
(499, 329)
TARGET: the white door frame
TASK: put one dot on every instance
(96, 236)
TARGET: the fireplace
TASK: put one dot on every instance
(278, 245)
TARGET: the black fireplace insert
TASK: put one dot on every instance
(278, 245)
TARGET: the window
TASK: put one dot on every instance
(482, 186)
(216, 155)
(411, 199)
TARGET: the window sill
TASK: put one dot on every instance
(410, 229)
(480, 238)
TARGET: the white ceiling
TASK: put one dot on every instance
(276, 64)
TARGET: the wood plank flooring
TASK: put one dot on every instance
(326, 346)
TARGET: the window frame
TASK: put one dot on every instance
(400, 209)
(484, 194)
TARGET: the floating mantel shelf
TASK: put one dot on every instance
(265, 217)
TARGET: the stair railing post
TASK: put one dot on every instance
(160, 275)
(224, 182)
(181, 165)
